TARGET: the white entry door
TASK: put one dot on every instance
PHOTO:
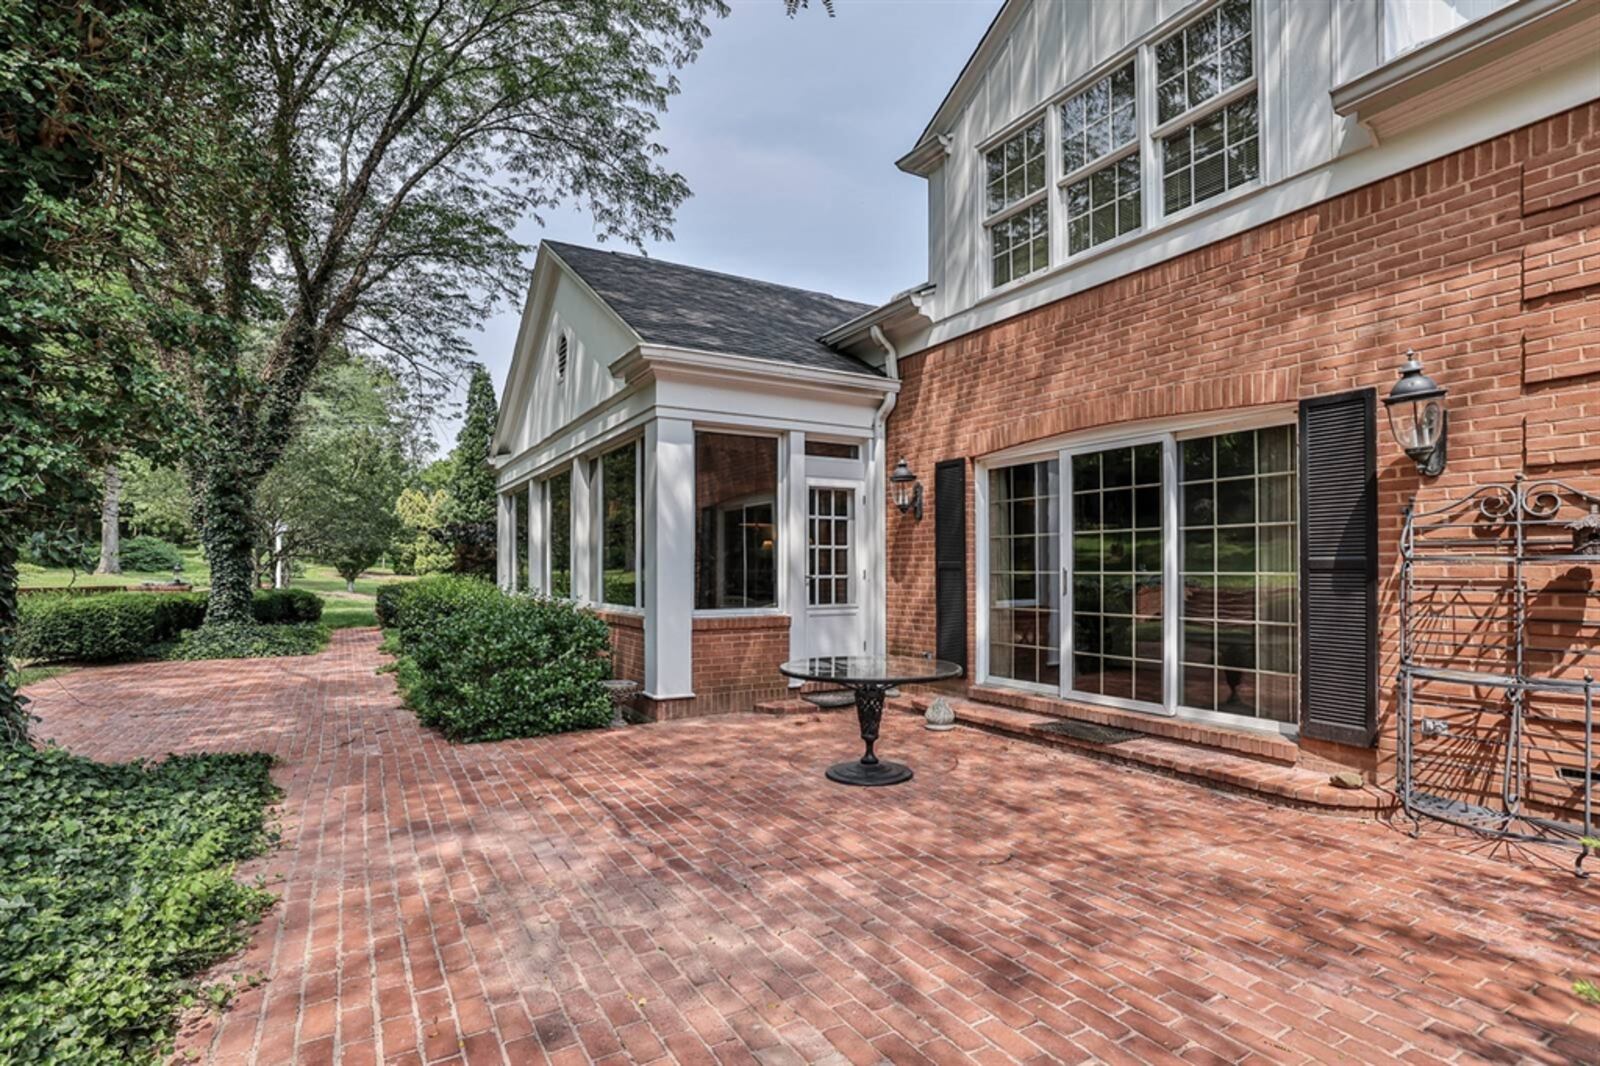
(835, 621)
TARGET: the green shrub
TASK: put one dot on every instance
(248, 641)
(116, 889)
(477, 664)
(105, 628)
(427, 601)
(278, 606)
(148, 555)
(388, 601)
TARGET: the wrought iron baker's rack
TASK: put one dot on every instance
(1499, 647)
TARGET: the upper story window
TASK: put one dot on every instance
(1206, 72)
(1100, 130)
(1195, 137)
(1019, 214)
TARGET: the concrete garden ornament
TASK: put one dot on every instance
(940, 715)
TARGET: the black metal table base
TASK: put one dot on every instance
(869, 770)
(856, 772)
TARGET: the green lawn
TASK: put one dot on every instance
(340, 609)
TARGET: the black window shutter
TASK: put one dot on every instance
(950, 559)
(1339, 568)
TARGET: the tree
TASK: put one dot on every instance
(155, 501)
(333, 496)
(467, 517)
(355, 178)
(76, 386)
(418, 548)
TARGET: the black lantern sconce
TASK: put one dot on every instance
(1418, 418)
(907, 489)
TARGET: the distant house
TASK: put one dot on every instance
(1177, 254)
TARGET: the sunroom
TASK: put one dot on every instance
(677, 451)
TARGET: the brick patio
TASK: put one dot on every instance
(695, 891)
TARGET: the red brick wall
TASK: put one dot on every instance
(736, 660)
(1486, 261)
(627, 644)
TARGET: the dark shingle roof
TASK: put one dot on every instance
(686, 307)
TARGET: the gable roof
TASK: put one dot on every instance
(686, 307)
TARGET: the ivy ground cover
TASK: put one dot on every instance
(117, 888)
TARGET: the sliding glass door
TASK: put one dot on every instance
(1164, 570)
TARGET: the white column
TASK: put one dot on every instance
(875, 539)
(585, 530)
(505, 539)
(538, 580)
(669, 516)
(792, 543)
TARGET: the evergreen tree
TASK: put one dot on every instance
(467, 514)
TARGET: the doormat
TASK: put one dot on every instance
(1090, 732)
(831, 700)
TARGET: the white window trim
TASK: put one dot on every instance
(1170, 432)
(855, 489)
(1153, 216)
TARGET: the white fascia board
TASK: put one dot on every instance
(1571, 86)
(905, 309)
(620, 416)
(1483, 57)
(743, 369)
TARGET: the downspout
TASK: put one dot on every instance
(880, 434)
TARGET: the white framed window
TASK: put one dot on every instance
(620, 575)
(1206, 107)
(1171, 123)
(558, 534)
(1018, 214)
(736, 521)
(1155, 572)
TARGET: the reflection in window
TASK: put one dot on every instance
(519, 537)
(558, 497)
(1217, 153)
(1240, 573)
(1117, 641)
(619, 528)
(736, 531)
(1024, 602)
(1205, 59)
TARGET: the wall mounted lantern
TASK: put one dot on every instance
(1417, 417)
(907, 489)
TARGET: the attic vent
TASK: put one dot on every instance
(561, 356)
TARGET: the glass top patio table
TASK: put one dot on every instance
(870, 677)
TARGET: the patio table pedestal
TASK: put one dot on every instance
(870, 678)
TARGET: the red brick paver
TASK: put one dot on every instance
(697, 892)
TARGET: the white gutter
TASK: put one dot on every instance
(879, 479)
(891, 370)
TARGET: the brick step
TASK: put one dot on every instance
(1206, 765)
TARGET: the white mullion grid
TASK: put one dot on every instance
(1088, 169)
(1200, 111)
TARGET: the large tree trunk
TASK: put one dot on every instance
(110, 525)
(226, 493)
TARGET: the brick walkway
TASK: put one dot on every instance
(697, 892)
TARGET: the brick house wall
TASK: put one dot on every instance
(736, 661)
(1486, 261)
(627, 643)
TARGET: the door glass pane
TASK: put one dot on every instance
(1024, 561)
(1117, 582)
(1240, 566)
(828, 544)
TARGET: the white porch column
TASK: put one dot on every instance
(875, 589)
(585, 530)
(538, 580)
(669, 558)
(792, 543)
(505, 540)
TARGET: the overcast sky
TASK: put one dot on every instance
(787, 131)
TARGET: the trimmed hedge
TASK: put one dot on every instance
(287, 606)
(149, 555)
(479, 665)
(388, 602)
(127, 625)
